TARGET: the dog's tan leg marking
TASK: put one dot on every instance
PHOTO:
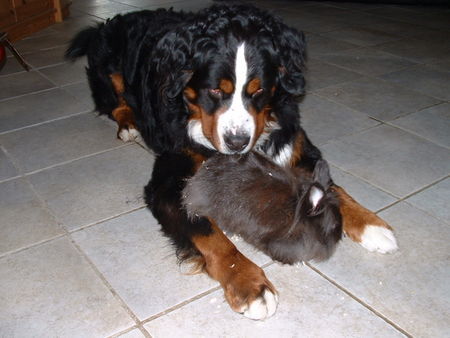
(364, 226)
(245, 285)
(123, 114)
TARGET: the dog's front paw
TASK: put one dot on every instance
(128, 134)
(379, 239)
(262, 307)
(249, 292)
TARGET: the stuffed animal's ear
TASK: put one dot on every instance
(291, 48)
(321, 174)
(315, 196)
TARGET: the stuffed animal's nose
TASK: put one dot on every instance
(236, 142)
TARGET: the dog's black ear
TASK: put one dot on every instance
(178, 85)
(321, 174)
(291, 48)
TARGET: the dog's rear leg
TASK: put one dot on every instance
(364, 226)
(123, 114)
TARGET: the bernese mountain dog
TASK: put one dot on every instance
(226, 80)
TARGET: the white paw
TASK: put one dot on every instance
(380, 239)
(128, 135)
(262, 307)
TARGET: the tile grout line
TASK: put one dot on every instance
(30, 93)
(134, 327)
(106, 219)
(13, 161)
(192, 299)
(60, 164)
(404, 199)
(34, 245)
(416, 134)
(399, 199)
(181, 304)
(105, 281)
(428, 213)
(44, 205)
(330, 98)
(44, 122)
(364, 304)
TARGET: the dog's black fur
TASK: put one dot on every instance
(160, 52)
(289, 215)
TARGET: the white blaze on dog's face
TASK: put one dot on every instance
(229, 111)
(236, 127)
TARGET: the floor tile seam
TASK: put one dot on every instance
(398, 19)
(21, 71)
(352, 133)
(181, 305)
(43, 205)
(32, 51)
(104, 280)
(38, 124)
(392, 38)
(61, 164)
(121, 332)
(426, 64)
(356, 132)
(405, 198)
(103, 220)
(51, 65)
(377, 74)
(412, 132)
(62, 226)
(13, 161)
(360, 301)
(12, 178)
(376, 47)
(330, 99)
(29, 93)
(11, 253)
(193, 299)
(46, 207)
(360, 11)
(427, 212)
(372, 184)
(362, 25)
(314, 91)
(412, 90)
(405, 114)
(53, 82)
(134, 327)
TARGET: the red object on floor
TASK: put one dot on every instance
(2, 56)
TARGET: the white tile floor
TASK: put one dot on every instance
(80, 256)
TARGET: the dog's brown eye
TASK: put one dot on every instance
(258, 92)
(216, 93)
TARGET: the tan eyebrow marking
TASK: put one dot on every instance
(226, 86)
(253, 86)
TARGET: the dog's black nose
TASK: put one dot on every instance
(236, 143)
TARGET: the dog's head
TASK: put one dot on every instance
(229, 67)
